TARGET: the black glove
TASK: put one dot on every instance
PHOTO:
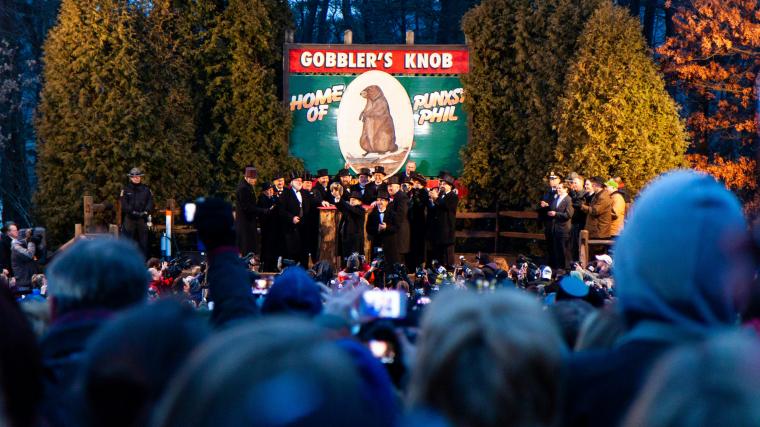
(213, 220)
(36, 239)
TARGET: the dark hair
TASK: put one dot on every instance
(101, 273)
(132, 358)
(20, 364)
(569, 315)
(274, 371)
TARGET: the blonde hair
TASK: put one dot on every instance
(488, 360)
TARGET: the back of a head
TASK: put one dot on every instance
(679, 259)
(100, 273)
(132, 358)
(569, 315)
(20, 365)
(293, 292)
(488, 360)
(714, 383)
(274, 371)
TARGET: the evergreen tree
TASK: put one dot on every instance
(491, 92)
(616, 117)
(252, 122)
(520, 51)
(110, 101)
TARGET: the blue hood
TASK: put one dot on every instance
(673, 256)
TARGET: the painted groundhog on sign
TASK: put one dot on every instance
(378, 132)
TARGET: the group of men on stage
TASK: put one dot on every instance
(409, 221)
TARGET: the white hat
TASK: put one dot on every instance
(546, 273)
(606, 258)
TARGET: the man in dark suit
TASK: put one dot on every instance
(410, 170)
(442, 212)
(311, 220)
(418, 205)
(400, 207)
(293, 207)
(269, 236)
(247, 213)
(351, 226)
(278, 181)
(543, 208)
(382, 226)
(321, 189)
(561, 213)
(378, 176)
(344, 179)
(362, 187)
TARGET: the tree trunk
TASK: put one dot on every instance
(670, 11)
(322, 21)
(345, 8)
(649, 16)
(635, 7)
(308, 26)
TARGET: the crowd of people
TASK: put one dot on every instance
(597, 205)
(409, 220)
(662, 332)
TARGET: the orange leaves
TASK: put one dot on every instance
(736, 175)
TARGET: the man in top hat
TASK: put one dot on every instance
(269, 236)
(343, 177)
(351, 226)
(362, 187)
(419, 199)
(322, 188)
(442, 212)
(136, 206)
(293, 207)
(311, 219)
(382, 226)
(378, 176)
(400, 206)
(543, 209)
(247, 213)
(278, 181)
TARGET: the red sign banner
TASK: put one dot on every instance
(336, 60)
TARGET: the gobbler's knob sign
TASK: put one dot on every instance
(372, 106)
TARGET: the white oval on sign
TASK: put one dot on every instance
(375, 123)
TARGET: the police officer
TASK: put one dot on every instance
(136, 205)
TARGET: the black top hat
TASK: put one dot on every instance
(344, 172)
(418, 177)
(135, 172)
(356, 194)
(393, 180)
(448, 179)
(379, 169)
(322, 172)
(443, 173)
(383, 194)
(307, 176)
(364, 171)
(251, 172)
(405, 179)
(277, 175)
(294, 175)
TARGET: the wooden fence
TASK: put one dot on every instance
(329, 218)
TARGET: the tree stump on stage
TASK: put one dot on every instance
(328, 235)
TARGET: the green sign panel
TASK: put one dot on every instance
(377, 119)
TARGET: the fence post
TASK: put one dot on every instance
(583, 248)
(78, 230)
(87, 224)
(496, 238)
(328, 232)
